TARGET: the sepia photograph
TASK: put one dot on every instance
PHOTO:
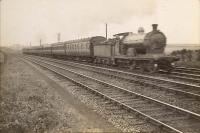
(99, 66)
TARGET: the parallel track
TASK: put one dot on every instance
(167, 116)
(163, 83)
(182, 76)
(190, 75)
(174, 96)
(188, 70)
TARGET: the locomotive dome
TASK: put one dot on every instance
(140, 30)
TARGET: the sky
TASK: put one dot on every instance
(25, 21)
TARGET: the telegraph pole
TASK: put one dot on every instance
(0, 22)
(106, 31)
(40, 42)
(58, 37)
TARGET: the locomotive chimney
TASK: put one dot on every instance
(154, 27)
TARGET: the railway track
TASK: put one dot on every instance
(188, 70)
(169, 117)
(185, 99)
(183, 96)
(165, 83)
(190, 75)
(182, 76)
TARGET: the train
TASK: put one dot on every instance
(143, 51)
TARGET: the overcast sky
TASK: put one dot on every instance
(24, 21)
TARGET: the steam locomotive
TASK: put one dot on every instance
(132, 50)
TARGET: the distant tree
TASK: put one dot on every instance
(174, 53)
(189, 55)
(198, 55)
(183, 54)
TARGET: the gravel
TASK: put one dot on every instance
(168, 97)
(106, 110)
(29, 105)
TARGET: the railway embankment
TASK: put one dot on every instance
(29, 104)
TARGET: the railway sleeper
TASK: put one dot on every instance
(87, 94)
(119, 112)
(117, 97)
(138, 101)
(136, 123)
(128, 100)
(133, 119)
(170, 119)
(109, 92)
(186, 127)
(152, 111)
(161, 115)
(144, 105)
(148, 110)
(191, 128)
(113, 108)
(146, 128)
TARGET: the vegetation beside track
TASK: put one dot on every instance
(188, 58)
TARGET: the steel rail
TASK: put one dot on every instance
(141, 82)
(146, 97)
(187, 68)
(186, 78)
(192, 76)
(161, 124)
(187, 74)
(134, 74)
